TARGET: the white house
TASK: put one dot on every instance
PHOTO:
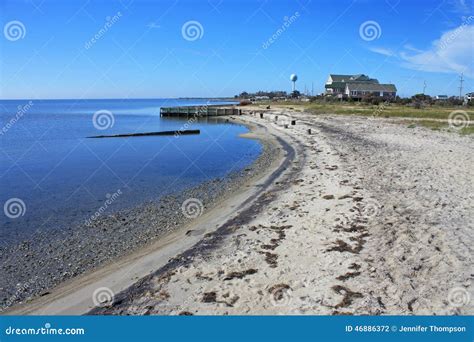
(357, 86)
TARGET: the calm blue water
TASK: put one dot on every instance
(62, 177)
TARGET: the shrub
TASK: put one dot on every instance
(245, 102)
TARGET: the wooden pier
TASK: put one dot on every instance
(199, 111)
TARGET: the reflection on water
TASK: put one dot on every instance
(62, 177)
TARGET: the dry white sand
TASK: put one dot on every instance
(363, 216)
(371, 217)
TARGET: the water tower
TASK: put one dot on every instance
(293, 78)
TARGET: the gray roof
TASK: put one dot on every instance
(340, 78)
(371, 87)
(360, 77)
(354, 78)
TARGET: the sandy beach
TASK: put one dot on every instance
(356, 216)
(371, 217)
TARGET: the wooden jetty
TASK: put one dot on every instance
(199, 111)
(148, 134)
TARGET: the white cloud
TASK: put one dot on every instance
(382, 51)
(453, 52)
(411, 48)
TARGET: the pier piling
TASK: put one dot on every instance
(198, 111)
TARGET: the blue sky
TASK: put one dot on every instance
(143, 52)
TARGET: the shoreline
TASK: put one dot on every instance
(361, 217)
(211, 193)
(366, 220)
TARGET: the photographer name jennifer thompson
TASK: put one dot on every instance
(402, 329)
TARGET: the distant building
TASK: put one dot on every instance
(359, 90)
(469, 97)
(358, 86)
(336, 84)
(261, 98)
(441, 97)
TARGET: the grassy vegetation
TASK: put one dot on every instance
(439, 126)
(389, 110)
(434, 125)
(426, 116)
(467, 130)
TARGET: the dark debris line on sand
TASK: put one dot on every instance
(210, 242)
